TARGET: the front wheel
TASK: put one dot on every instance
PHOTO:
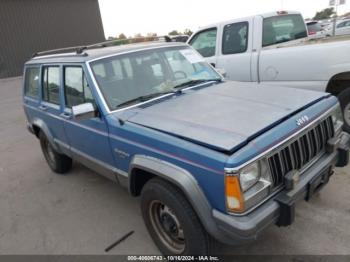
(344, 99)
(171, 221)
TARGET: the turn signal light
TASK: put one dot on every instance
(234, 197)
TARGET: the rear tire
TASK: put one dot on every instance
(344, 99)
(171, 220)
(58, 163)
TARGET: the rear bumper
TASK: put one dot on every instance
(279, 209)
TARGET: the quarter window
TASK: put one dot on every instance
(205, 42)
(235, 38)
(31, 85)
(280, 29)
(76, 89)
(51, 84)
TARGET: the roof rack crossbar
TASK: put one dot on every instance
(80, 49)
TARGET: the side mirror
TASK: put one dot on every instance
(83, 111)
(221, 71)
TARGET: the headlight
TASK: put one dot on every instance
(249, 176)
(338, 121)
(247, 187)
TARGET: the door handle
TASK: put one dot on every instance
(66, 116)
(42, 107)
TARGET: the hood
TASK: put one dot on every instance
(224, 116)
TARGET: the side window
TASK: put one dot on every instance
(235, 38)
(31, 83)
(341, 25)
(51, 84)
(284, 28)
(205, 42)
(76, 89)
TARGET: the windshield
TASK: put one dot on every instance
(146, 74)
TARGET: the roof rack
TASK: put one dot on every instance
(78, 50)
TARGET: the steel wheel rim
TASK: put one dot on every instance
(167, 227)
(347, 114)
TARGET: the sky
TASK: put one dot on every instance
(162, 16)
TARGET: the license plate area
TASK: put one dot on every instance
(317, 183)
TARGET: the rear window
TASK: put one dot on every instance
(31, 86)
(314, 27)
(280, 29)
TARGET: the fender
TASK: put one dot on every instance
(43, 127)
(185, 181)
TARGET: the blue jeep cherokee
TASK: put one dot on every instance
(210, 159)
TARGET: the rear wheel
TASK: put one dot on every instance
(171, 220)
(58, 163)
(344, 99)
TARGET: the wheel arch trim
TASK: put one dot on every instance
(182, 179)
(44, 128)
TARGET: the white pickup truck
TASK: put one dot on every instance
(274, 49)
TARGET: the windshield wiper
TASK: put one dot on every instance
(144, 98)
(195, 82)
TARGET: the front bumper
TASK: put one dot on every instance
(279, 209)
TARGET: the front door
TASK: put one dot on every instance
(88, 139)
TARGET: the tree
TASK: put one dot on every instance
(174, 32)
(324, 14)
(188, 32)
(122, 36)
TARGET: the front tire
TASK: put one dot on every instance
(344, 99)
(58, 163)
(171, 220)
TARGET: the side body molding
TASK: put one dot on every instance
(181, 178)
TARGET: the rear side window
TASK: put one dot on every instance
(280, 29)
(51, 84)
(235, 38)
(205, 42)
(76, 89)
(31, 86)
(314, 27)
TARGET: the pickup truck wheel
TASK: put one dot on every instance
(344, 99)
(171, 221)
(58, 163)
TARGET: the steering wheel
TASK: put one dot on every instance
(182, 74)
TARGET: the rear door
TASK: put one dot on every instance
(88, 139)
(50, 105)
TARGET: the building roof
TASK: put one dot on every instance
(91, 54)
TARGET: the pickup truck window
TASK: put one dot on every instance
(284, 28)
(235, 38)
(51, 84)
(76, 89)
(205, 42)
(149, 73)
(343, 24)
(31, 86)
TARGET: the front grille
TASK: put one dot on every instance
(301, 151)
